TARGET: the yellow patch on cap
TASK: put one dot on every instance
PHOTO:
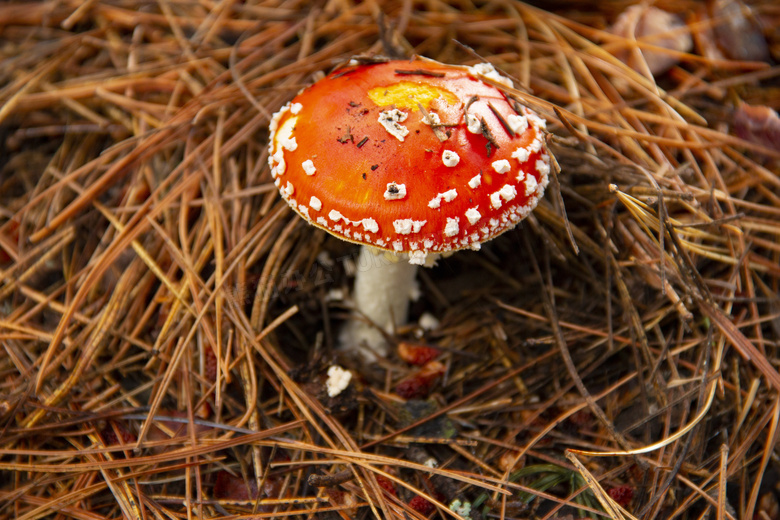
(409, 95)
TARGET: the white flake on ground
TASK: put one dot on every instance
(501, 166)
(428, 321)
(475, 181)
(395, 191)
(473, 215)
(324, 258)
(338, 380)
(308, 167)
(315, 203)
(452, 228)
(517, 123)
(450, 158)
(391, 120)
(336, 295)
(530, 184)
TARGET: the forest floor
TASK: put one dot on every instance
(167, 321)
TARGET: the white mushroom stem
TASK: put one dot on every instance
(380, 297)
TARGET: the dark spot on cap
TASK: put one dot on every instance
(374, 167)
(392, 189)
(364, 176)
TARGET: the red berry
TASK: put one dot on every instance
(231, 487)
(210, 365)
(412, 388)
(386, 484)
(582, 418)
(335, 495)
(419, 384)
(416, 354)
(621, 494)
(421, 505)
(109, 434)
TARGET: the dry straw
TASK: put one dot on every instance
(166, 322)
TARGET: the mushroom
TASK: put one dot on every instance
(412, 159)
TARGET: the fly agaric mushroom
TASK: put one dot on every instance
(411, 158)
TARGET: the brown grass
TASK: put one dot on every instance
(166, 321)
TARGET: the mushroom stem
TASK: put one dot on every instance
(383, 286)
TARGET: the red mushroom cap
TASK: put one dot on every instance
(410, 156)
